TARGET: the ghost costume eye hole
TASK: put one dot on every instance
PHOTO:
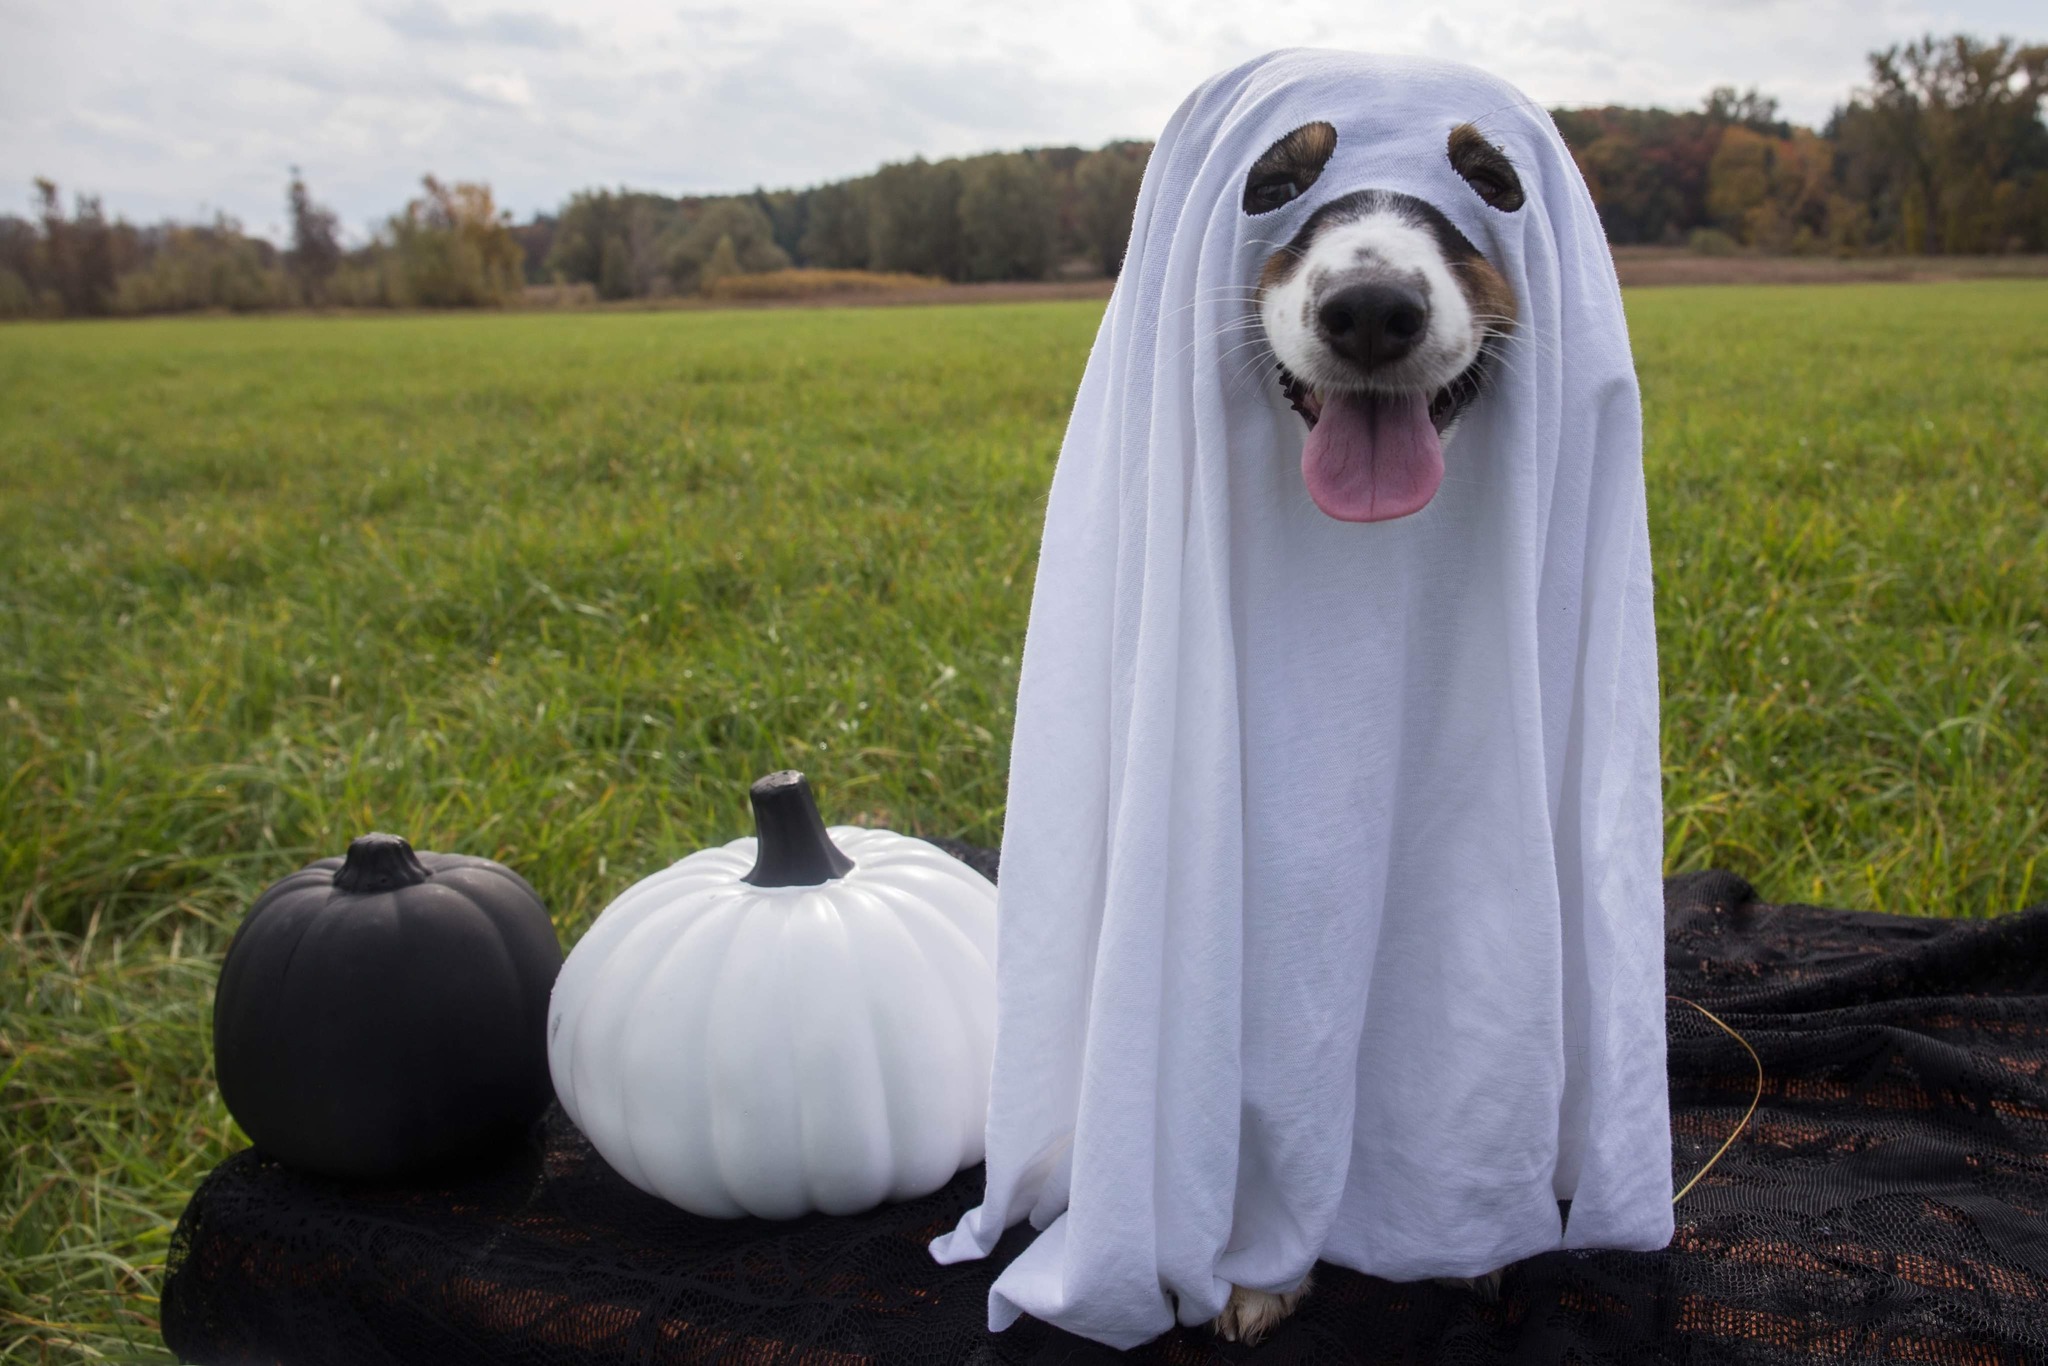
(1269, 192)
(1285, 170)
(1486, 168)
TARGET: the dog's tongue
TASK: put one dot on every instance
(1372, 457)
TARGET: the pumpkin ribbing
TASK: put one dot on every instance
(386, 1013)
(794, 1040)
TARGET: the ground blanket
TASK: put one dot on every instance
(1888, 1202)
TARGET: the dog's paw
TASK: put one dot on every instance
(1485, 1288)
(1251, 1314)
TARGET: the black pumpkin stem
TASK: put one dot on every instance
(795, 850)
(379, 863)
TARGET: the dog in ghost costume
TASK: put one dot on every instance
(1330, 920)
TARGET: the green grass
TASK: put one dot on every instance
(553, 589)
(1849, 513)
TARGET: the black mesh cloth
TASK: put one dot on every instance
(1889, 1202)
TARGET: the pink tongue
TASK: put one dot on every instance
(1372, 458)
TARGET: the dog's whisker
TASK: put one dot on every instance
(1193, 304)
(1217, 334)
(1241, 335)
(1248, 311)
(1240, 320)
(1220, 297)
(1257, 354)
(1497, 111)
(1502, 333)
(1226, 357)
(1250, 368)
(1233, 318)
(1229, 325)
(1511, 347)
(1223, 355)
(1225, 291)
(1515, 361)
(1514, 370)
(1237, 381)
(1229, 354)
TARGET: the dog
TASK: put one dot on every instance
(1385, 318)
(1383, 315)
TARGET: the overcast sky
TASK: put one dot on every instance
(168, 108)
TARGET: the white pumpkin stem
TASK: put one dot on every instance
(379, 863)
(794, 851)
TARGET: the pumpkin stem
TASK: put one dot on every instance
(379, 863)
(795, 850)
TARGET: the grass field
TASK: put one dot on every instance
(553, 589)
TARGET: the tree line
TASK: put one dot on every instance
(449, 247)
(1000, 216)
(1943, 151)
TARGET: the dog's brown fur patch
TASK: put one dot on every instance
(1487, 290)
(1297, 159)
(1485, 168)
(1305, 151)
(1278, 267)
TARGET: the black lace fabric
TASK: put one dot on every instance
(1888, 1203)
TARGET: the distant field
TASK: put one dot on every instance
(1677, 266)
(553, 588)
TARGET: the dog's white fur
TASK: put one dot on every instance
(1383, 245)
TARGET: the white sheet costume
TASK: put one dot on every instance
(1330, 918)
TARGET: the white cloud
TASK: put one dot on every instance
(179, 107)
(501, 87)
(432, 22)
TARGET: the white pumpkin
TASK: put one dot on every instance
(795, 1023)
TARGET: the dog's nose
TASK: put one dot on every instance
(1373, 324)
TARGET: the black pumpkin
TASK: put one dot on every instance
(386, 1013)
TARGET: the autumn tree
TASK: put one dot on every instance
(914, 218)
(316, 241)
(746, 232)
(20, 266)
(1106, 193)
(1772, 192)
(186, 267)
(1648, 169)
(722, 263)
(1726, 107)
(78, 258)
(1947, 145)
(453, 248)
(789, 213)
(1008, 219)
(836, 227)
(615, 240)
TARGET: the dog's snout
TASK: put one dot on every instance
(1373, 324)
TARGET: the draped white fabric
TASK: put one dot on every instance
(1330, 920)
